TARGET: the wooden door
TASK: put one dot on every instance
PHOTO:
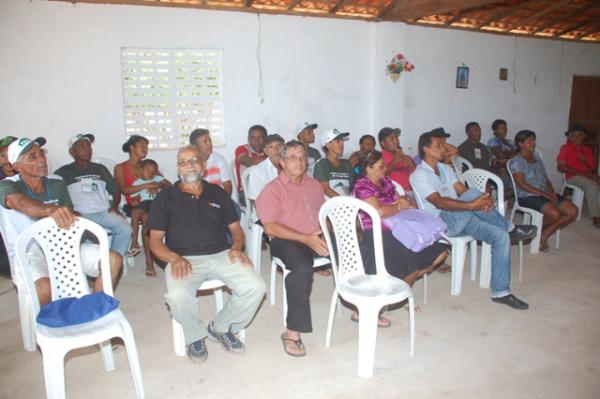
(585, 108)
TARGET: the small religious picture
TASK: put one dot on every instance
(462, 77)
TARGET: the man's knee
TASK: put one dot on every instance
(44, 290)
(551, 212)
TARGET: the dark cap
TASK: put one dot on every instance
(5, 141)
(386, 132)
(132, 140)
(439, 132)
(274, 137)
(575, 128)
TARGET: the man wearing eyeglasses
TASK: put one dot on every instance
(189, 225)
(288, 208)
(32, 195)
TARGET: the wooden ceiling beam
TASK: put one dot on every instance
(566, 17)
(536, 15)
(460, 15)
(387, 9)
(339, 5)
(575, 27)
(590, 31)
(247, 3)
(404, 10)
(293, 4)
(501, 14)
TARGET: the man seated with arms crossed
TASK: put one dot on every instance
(468, 212)
(289, 207)
(90, 184)
(33, 195)
(217, 171)
(189, 224)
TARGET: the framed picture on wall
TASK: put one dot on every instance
(462, 77)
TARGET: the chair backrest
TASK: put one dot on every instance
(235, 196)
(459, 165)
(478, 178)
(416, 195)
(342, 213)
(399, 188)
(109, 163)
(61, 248)
(245, 184)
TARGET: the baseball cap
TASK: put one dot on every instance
(81, 136)
(273, 137)
(331, 135)
(5, 141)
(439, 132)
(305, 125)
(387, 131)
(575, 128)
(19, 146)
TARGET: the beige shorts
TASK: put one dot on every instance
(90, 258)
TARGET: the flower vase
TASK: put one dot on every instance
(395, 76)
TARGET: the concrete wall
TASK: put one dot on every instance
(60, 74)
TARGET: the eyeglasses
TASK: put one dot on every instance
(190, 161)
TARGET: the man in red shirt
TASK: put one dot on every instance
(250, 154)
(578, 163)
(399, 165)
(288, 208)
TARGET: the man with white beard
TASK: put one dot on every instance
(189, 225)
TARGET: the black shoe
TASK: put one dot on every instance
(522, 232)
(230, 342)
(512, 301)
(197, 351)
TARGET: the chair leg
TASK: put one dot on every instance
(520, 261)
(485, 273)
(27, 321)
(285, 304)
(411, 322)
(218, 292)
(473, 247)
(458, 263)
(557, 238)
(367, 340)
(107, 355)
(534, 247)
(273, 276)
(425, 288)
(178, 338)
(332, 308)
(54, 373)
(134, 361)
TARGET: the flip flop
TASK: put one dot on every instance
(151, 273)
(297, 343)
(382, 322)
(545, 247)
(133, 251)
(444, 268)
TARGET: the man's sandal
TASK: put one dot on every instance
(298, 344)
(151, 273)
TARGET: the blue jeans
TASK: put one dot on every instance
(118, 226)
(490, 227)
(247, 292)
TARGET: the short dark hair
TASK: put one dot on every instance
(523, 135)
(196, 133)
(133, 140)
(262, 129)
(367, 161)
(497, 123)
(425, 140)
(470, 125)
(365, 137)
(147, 162)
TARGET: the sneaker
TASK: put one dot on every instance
(512, 301)
(230, 342)
(522, 232)
(197, 351)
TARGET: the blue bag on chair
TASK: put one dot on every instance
(72, 311)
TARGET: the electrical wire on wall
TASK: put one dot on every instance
(560, 69)
(514, 68)
(258, 60)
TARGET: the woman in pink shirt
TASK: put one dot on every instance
(398, 165)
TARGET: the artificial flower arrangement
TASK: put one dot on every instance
(397, 65)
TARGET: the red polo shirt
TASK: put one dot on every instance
(573, 157)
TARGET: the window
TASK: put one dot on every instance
(170, 92)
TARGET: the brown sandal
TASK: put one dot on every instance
(298, 344)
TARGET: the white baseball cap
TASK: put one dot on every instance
(305, 125)
(331, 135)
(81, 136)
(21, 145)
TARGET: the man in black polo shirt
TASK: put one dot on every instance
(189, 223)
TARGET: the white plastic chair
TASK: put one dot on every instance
(178, 336)
(478, 179)
(369, 293)
(576, 197)
(235, 196)
(530, 216)
(459, 252)
(459, 162)
(275, 263)
(61, 248)
(253, 230)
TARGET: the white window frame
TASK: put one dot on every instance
(167, 93)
